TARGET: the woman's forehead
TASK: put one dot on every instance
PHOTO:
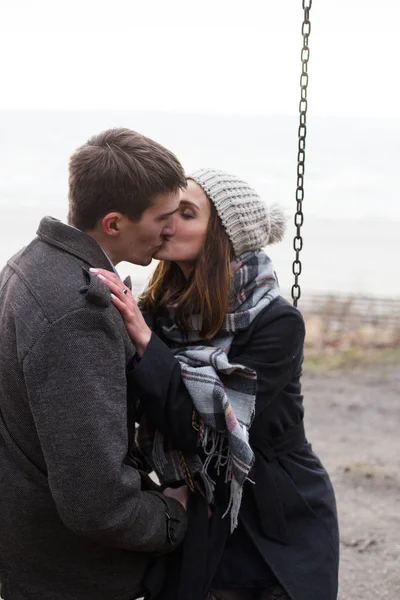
(195, 193)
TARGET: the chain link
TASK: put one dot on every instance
(301, 154)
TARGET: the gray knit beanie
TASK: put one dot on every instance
(249, 223)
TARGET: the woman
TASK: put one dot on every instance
(217, 377)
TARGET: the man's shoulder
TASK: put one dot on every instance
(54, 280)
(46, 289)
(43, 284)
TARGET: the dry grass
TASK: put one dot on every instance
(324, 332)
(351, 358)
(345, 333)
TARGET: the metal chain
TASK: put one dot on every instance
(301, 155)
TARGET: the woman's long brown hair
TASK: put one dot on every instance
(205, 293)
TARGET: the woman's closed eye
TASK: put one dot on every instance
(187, 214)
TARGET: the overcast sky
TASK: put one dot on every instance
(207, 56)
(216, 56)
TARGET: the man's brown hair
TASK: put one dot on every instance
(119, 170)
(205, 293)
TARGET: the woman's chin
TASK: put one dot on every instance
(166, 252)
(162, 254)
(169, 256)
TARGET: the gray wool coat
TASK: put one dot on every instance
(77, 518)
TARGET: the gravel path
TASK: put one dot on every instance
(353, 420)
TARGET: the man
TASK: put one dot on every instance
(77, 518)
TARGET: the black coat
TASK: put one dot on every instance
(288, 521)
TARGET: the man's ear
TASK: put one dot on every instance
(111, 223)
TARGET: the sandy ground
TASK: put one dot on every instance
(353, 420)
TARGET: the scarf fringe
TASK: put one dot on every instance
(235, 500)
(213, 443)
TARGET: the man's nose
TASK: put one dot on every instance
(170, 226)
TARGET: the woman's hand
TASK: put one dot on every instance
(181, 494)
(122, 298)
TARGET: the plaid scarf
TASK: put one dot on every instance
(223, 393)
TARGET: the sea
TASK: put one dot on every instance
(351, 231)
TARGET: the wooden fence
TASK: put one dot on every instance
(366, 321)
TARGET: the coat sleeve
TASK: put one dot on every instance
(157, 382)
(76, 381)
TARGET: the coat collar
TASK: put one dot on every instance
(73, 241)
